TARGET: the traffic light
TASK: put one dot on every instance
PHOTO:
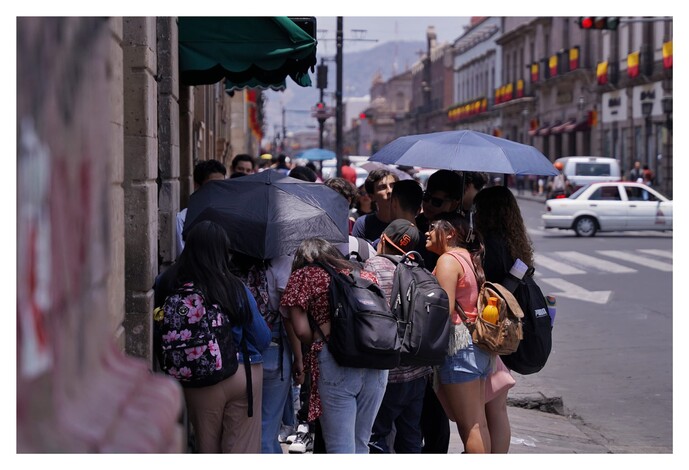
(598, 22)
(322, 77)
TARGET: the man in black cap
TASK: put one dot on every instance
(404, 394)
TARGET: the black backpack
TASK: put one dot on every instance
(536, 344)
(363, 330)
(421, 307)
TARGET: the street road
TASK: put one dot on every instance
(612, 339)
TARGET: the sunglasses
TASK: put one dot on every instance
(435, 201)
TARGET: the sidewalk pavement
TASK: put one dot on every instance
(538, 426)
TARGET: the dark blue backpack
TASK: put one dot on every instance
(534, 348)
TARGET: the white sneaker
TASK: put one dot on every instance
(285, 433)
(303, 442)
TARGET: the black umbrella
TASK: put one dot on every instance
(268, 214)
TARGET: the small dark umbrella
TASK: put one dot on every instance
(268, 214)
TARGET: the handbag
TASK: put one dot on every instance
(504, 336)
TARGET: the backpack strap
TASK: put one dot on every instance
(363, 249)
(249, 381)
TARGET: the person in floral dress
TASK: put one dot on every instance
(344, 399)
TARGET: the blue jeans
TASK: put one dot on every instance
(276, 393)
(350, 398)
(402, 406)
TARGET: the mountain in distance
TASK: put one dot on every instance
(358, 71)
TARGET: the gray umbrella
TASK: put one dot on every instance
(268, 214)
(465, 150)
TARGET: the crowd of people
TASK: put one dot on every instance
(465, 229)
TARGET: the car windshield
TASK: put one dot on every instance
(592, 169)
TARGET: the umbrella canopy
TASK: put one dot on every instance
(401, 175)
(316, 154)
(268, 214)
(465, 150)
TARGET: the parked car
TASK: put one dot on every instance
(610, 206)
(581, 171)
(328, 170)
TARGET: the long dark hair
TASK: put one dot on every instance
(205, 261)
(318, 250)
(497, 212)
(458, 228)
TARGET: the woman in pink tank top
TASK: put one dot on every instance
(462, 376)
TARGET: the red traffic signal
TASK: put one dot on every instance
(598, 22)
(586, 22)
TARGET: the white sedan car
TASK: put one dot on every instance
(609, 207)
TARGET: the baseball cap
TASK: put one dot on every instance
(402, 235)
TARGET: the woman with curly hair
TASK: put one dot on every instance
(500, 224)
(463, 374)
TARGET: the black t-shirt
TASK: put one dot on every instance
(369, 227)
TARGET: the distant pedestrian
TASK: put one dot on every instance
(635, 173)
(204, 171)
(348, 172)
(242, 164)
(647, 176)
(378, 185)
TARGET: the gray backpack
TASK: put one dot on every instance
(422, 310)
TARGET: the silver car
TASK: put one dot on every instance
(609, 207)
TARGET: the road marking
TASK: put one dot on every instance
(642, 260)
(555, 266)
(534, 231)
(661, 253)
(582, 260)
(573, 291)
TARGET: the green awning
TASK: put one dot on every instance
(246, 51)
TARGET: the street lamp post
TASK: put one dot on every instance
(646, 110)
(667, 150)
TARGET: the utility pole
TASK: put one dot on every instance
(338, 97)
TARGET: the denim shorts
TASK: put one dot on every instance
(465, 365)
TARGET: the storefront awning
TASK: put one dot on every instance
(246, 51)
(544, 131)
(577, 126)
(560, 128)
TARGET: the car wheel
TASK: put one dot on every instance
(585, 226)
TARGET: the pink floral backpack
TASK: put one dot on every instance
(196, 343)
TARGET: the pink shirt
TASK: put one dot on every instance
(466, 291)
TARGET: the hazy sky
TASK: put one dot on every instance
(384, 29)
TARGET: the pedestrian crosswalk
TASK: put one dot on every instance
(566, 263)
(553, 267)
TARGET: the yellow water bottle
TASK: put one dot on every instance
(490, 312)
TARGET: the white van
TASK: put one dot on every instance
(581, 171)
